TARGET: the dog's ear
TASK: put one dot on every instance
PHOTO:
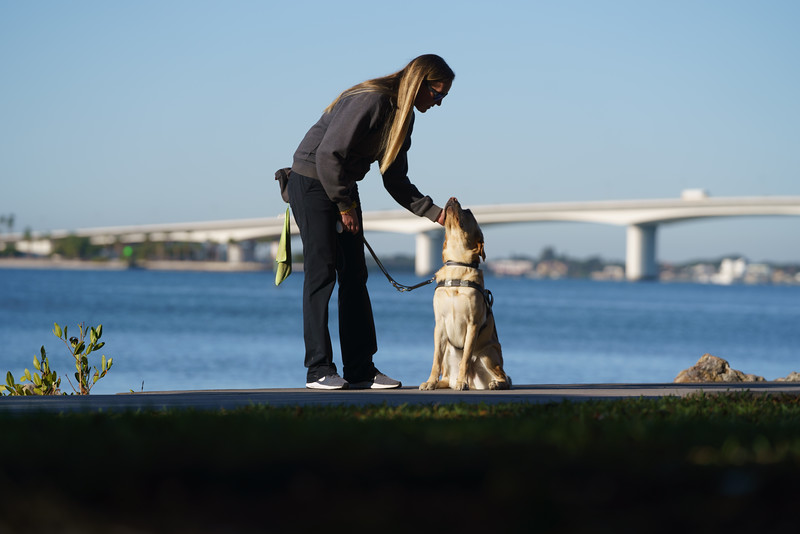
(481, 252)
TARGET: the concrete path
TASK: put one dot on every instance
(231, 399)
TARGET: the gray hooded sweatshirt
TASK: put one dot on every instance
(339, 149)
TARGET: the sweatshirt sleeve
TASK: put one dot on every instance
(353, 119)
(396, 182)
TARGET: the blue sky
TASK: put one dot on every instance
(119, 113)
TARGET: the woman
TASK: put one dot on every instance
(369, 122)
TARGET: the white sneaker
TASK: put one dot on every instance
(333, 381)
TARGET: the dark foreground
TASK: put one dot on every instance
(701, 462)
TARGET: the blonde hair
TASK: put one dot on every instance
(402, 88)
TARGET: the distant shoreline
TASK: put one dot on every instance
(119, 265)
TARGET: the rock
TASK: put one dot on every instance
(712, 369)
(794, 376)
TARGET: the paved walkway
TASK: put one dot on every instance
(231, 399)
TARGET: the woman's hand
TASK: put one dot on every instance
(350, 222)
(440, 219)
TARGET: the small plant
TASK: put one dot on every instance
(80, 352)
(48, 383)
(45, 384)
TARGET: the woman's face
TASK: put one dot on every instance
(431, 94)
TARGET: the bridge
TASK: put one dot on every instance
(641, 217)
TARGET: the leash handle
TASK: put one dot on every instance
(397, 285)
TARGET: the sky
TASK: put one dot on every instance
(158, 111)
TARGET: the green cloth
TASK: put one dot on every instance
(283, 258)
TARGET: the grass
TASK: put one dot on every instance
(709, 462)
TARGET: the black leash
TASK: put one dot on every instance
(487, 295)
(397, 285)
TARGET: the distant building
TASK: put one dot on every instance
(702, 272)
(510, 267)
(553, 269)
(758, 273)
(609, 272)
(694, 194)
(730, 271)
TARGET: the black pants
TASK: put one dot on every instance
(328, 254)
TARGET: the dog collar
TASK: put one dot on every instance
(474, 265)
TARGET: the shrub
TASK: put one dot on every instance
(48, 382)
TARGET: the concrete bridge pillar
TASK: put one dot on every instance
(241, 251)
(640, 257)
(235, 253)
(429, 251)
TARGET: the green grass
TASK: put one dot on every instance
(709, 461)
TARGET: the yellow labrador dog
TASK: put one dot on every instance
(467, 352)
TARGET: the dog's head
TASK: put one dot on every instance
(463, 238)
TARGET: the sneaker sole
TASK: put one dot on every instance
(371, 385)
(314, 385)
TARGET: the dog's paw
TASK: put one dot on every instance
(426, 386)
(497, 384)
(461, 386)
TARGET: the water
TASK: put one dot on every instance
(185, 330)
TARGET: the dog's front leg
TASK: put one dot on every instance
(439, 341)
(463, 366)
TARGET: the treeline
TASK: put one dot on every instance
(75, 247)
